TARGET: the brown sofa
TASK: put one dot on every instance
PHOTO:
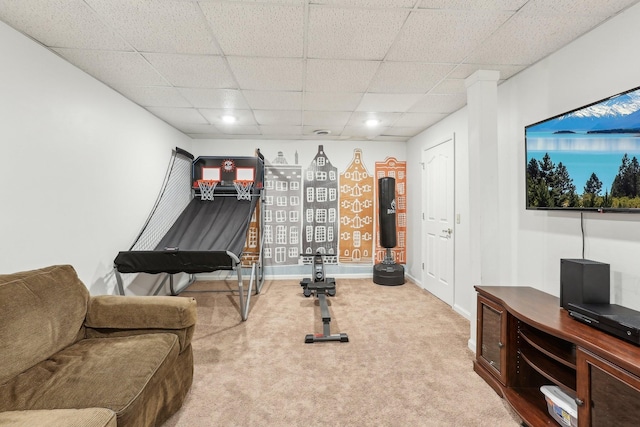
(71, 359)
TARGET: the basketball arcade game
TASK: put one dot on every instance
(210, 232)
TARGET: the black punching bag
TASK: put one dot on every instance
(387, 211)
(387, 272)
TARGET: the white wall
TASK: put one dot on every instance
(339, 153)
(80, 166)
(597, 65)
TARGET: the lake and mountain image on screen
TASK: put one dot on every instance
(586, 158)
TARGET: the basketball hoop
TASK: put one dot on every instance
(207, 188)
(243, 188)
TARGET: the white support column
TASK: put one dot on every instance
(482, 100)
(483, 173)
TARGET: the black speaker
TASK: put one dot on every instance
(387, 211)
(584, 281)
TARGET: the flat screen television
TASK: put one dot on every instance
(587, 158)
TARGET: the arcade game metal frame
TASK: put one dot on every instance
(191, 241)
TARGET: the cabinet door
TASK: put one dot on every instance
(607, 394)
(491, 337)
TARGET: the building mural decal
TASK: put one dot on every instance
(393, 168)
(282, 230)
(356, 212)
(318, 208)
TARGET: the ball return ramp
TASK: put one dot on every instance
(208, 235)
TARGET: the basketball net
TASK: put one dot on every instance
(243, 188)
(207, 188)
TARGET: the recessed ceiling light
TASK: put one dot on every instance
(372, 122)
(229, 118)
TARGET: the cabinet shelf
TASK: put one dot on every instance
(555, 372)
(530, 405)
(559, 350)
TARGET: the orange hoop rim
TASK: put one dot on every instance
(243, 181)
(206, 182)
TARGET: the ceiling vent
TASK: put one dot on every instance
(322, 132)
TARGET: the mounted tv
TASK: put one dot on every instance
(587, 158)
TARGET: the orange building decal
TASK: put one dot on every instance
(356, 212)
(392, 168)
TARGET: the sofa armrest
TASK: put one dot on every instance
(112, 315)
(88, 417)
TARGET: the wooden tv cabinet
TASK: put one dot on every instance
(526, 340)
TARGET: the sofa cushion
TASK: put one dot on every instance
(90, 417)
(102, 372)
(41, 312)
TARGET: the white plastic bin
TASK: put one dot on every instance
(562, 406)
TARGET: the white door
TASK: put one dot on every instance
(438, 220)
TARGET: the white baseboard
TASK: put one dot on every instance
(414, 280)
(232, 275)
(461, 311)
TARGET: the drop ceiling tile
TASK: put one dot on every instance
(199, 129)
(390, 138)
(463, 71)
(363, 131)
(358, 118)
(331, 101)
(340, 33)
(326, 119)
(333, 131)
(368, 3)
(528, 38)
(154, 96)
(280, 130)
(292, 2)
(268, 73)
(450, 86)
(239, 130)
(512, 5)
(339, 76)
(584, 7)
(278, 118)
(157, 26)
(387, 102)
(178, 116)
(273, 100)
(457, 32)
(244, 29)
(203, 135)
(61, 23)
(444, 103)
(408, 77)
(126, 68)
(418, 120)
(214, 116)
(215, 98)
(404, 131)
(207, 71)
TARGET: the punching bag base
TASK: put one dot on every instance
(388, 274)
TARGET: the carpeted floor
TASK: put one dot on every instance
(406, 362)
